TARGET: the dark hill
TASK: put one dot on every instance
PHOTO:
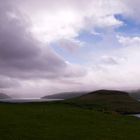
(106, 96)
(108, 100)
(4, 96)
(135, 94)
(65, 95)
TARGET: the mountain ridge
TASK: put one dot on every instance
(4, 96)
(64, 95)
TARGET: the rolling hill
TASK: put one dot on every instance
(135, 94)
(88, 117)
(108, 100)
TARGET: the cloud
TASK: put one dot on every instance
(132, 9)
(110, 60)
(129, 41)
(21, 55)
(70, 44)
(53, 20)
(6, 82)
(28, 28)
(118, 69)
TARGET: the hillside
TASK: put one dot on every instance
(65, 95)
(55, 121)
(90, 116)
(135, 94)
(108, 100)
(4, 96)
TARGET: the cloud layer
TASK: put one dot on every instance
(30, 66)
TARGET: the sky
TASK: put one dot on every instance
(53, 46)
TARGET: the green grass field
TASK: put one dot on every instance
(58, 121)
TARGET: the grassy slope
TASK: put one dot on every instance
(108, 100)
(72, 119)
(58, 121)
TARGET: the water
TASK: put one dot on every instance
(136, 115)
(27, 100)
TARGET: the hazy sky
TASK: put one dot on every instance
(50, 46)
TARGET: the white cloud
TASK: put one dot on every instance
(52, 20)
(129, 41)
(125, 73)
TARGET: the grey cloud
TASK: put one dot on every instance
(6, 82)
(21, 55)
(109, 60)
(70, 44)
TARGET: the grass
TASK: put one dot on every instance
(60, 121)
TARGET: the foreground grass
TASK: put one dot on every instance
(58, 121)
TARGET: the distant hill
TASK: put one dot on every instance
(135, 94)
(64, 95)
(4, 96)
(108, 100)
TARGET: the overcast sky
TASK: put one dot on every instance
(52, 46)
